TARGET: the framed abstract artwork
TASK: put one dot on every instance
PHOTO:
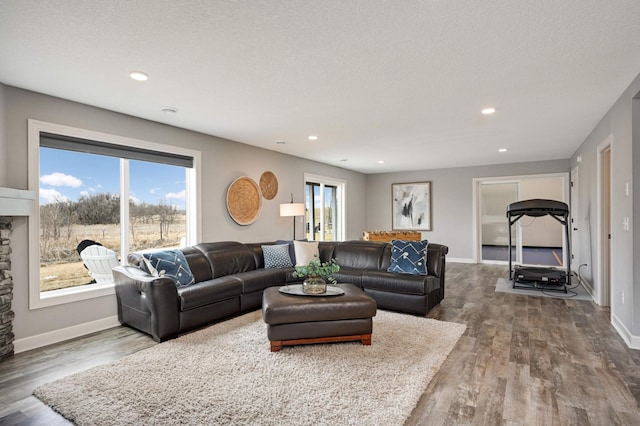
(411, 206)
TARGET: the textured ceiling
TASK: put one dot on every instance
(399, 81)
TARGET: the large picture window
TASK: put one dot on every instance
(101, 190)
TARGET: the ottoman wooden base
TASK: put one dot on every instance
(365, 339)
(297, 320)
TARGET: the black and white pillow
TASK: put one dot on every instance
(276, 256)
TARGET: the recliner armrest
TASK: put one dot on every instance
(151, 302)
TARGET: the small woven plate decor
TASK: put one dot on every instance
(244, 200)
(268, 185)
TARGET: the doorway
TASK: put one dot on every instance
(538, 241)
(604, 222)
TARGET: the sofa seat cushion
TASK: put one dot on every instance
(260, 279)
(395, 283)
(207, 292)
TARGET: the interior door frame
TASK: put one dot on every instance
(574, 191)
(603, 257)
(477, 228)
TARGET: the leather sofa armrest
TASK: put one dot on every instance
(436, 257)
(151, 302)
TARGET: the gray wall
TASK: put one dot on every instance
(3, 135)
(619, 123)
(451, 198)
(222, 162)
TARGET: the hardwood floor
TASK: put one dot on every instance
(528, 360)
(523, 360)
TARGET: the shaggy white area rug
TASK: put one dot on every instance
(225, 374)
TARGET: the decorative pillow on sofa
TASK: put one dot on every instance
(277, 256)
(170, 263)
(292, 252)
(305, 251)
(409, 257)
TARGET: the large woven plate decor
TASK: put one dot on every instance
(244, 200)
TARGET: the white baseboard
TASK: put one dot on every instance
(55, 336)
(632, 341)
(459, 260)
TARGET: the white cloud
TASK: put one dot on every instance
(134, 199)
(49, 196)
(84, 193)
(60, 179)
(176, 195)
(154, 190)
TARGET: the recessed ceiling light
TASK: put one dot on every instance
(488, 111)
(380, 161)
(169, 109)
(138, 76)
(344, 159)
(313, 138)
(503, 150)
(280, 142)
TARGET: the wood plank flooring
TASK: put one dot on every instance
(523, 360)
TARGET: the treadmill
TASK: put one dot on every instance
(532, 277)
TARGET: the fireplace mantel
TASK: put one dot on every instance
(16, 202)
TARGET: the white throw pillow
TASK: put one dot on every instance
(305, 251)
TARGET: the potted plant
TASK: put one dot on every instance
(315, 274)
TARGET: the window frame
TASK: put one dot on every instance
(341, 191)
(38, 299)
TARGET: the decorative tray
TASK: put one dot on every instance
(296, 290)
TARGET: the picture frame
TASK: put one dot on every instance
(411, 206)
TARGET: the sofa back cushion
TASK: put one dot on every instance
(326, 249)
(359, 254)
(200, 267)
(228, 257)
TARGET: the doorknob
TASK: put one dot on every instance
(575, 229)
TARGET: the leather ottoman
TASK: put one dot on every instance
(297, 320)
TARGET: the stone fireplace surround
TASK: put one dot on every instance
(6, 290)
(13, 202)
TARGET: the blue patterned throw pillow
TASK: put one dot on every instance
(276, 256)
(409, 257)
(170, 263)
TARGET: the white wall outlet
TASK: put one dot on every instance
(622, 296)
(626, 189)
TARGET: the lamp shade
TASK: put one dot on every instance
(292, 209)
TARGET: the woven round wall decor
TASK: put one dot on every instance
(268, 185)
(244, 200)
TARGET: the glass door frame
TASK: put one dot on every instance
(477, 225)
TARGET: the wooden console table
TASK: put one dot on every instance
(387, 236)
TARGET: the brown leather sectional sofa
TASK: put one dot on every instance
(230, 278)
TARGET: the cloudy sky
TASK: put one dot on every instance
(67, 175)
